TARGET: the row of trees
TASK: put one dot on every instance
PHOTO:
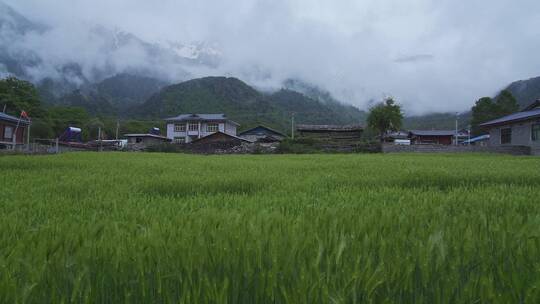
(387, 116)
(50, 121)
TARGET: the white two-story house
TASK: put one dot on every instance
(186, 128)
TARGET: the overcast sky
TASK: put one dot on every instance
(432, 55)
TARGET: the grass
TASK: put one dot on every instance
(166, 228)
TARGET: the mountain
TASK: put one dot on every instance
(437, 121)
(108, 52)
(314, 92)
(114, 96)
(125, 90)
(244, 104)
(525, 91)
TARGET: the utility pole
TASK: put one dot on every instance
(117, 127)
(99, 139)
(456, 128)
(292, 125)
(4, 111)
(469, 135)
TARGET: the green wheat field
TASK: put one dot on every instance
(170, 228)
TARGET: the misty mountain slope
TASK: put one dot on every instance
(525, 91)
(107, 52)
(308, 110)
(436, 121)
(242, 103)
(13, 22)
(206, 95)
(316, 93)
(126, 89)
(114, 96)
(93, 103)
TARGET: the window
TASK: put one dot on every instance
(8, 132)
(138, 140)
(212, 127)
(179, 140)
(535, 132)
(180, 128)
(193, 126)
(506, 136)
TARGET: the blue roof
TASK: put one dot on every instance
(4, 116)
(433, 132)
(477, 138)
(525, 115)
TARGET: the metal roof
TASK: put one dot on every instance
(4, 116)
(519, 116)
(217, 133)
(433, 132)
(201, 117)
(263, 127)
(329, 128)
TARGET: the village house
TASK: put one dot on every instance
(518, 129)
(9, 125)
(145, 139)
(437, 137)
(330, 132)
(186, 128)
(263, 134)
(434, 137)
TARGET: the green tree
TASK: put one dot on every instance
(61, 117)
(486, 109)
(19, 95)
(483, 110)
(385, 116)
(506, 103)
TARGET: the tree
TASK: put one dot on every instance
(506, 103)
(61, 117)
(486, 109)
(19, 95)
(385, 116)
(483, 110)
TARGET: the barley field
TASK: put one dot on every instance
(169, 228)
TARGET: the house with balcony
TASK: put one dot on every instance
(186, 128)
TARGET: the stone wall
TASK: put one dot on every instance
(513, 150)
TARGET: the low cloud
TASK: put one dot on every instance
(454, 53)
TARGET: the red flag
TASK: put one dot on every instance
(24, 114)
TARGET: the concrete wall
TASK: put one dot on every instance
(521, 135)
(513, 150)
(230, 128)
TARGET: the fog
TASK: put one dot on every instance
(431, 55)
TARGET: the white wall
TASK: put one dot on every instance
(199, 133)
(230, 128)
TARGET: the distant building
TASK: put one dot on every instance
(147, 139)
(8, 124)
(396, 135)
(186, 128)
(262, 134)
(437, 137)
(518, 129)
(330, 132)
